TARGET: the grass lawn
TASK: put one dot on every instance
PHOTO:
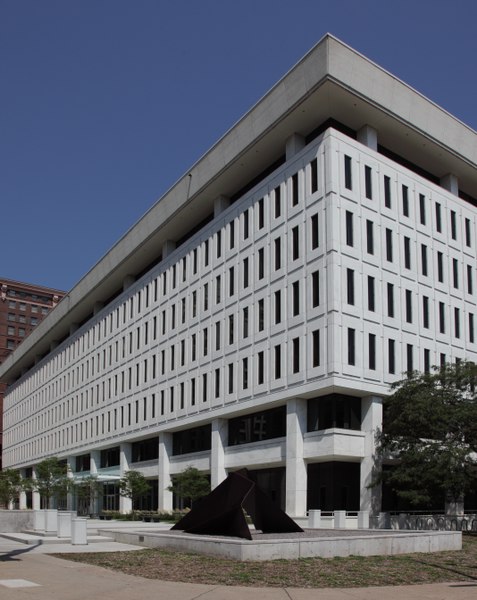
(353, 571)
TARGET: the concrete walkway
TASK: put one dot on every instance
(28, 573)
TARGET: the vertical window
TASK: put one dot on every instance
(457, 322)
(217, 335)
(231, 281)
(405, 200)
(347, 172)
(368, 184)
(407, 253)
(182, 353)
(261, 263)
(245, 373)
(350, 286)
(471, 328)
(219, 243)
(217, 383)
(246, 226)
(295, 243)
(424, 260)
(206, 253)
(231, 329)
(206, 296)
(261, 315)
(184, 268)
(391, 356)
(260, 369)
(390, 298)
(351, 347)
(389, 245)
(422, 209)
(294, 198)
(194, 347)
(372, 352)
(295, 298)
(315, 289)
(438, 218)
(204, 387)
(455, 273)
(387, 191)
(427, 361)
(453, 224)
(231, 234)
(218, 289)
(369, 237)
(425, 312)
(183, 310)
(245, 322)
(192, 391)
(261, 214)
(278, 253)
(278, 202)
(467, 233)
(205, 341)
(409, 361)
(470, 282)
(442, 318)
(443, 360)
(408, 306)
(316, 348)
(371, 294)
(245, 273)
(194, 306)
(315, 233)
(296, 355)
(278, 306)
(349, 228)
(278, 362)
(231, 378)
(440, 267)
(314, 175)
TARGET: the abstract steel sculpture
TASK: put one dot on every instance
(222, 511)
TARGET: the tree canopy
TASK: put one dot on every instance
(52, 479)
(133, 485)
(190, 485)
(11, 484)
(430, 433)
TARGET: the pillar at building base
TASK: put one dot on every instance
(51, 521)
(296, 471)
(79, 532)
(217, 453)
(165, 451)
(314, 519)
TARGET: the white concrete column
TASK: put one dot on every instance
(70, 496)
(94, 466)
(125, 504)
(371, 420)
(217, 453)
(220, 204)
(167, 248)
(22, 499)
(369, 137)
(450, 182)
(165, 452)
(294, 144)
(296, 473)
(36, 502)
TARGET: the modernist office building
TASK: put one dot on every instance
(257, 314)
(22, 307)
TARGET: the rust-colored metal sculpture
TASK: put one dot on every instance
(222, 511)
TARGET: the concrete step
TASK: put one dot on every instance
(32, 539)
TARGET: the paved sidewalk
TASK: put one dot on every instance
(27, 573)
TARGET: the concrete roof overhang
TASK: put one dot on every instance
(331, 81)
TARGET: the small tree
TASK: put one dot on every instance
(52, 480)
(11, 484)
(87, 490)
(133, 485)
(430, 432)
(190, 485)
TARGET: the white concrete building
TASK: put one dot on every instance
(257, 314)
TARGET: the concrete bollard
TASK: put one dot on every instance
(79, 532)
(39, 520)
(51, 521)
(64, 524)
(363, 519)
(314, 519)
(340, 519)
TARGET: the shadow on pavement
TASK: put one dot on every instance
(6, 556)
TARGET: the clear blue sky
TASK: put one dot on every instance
(104, 104)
